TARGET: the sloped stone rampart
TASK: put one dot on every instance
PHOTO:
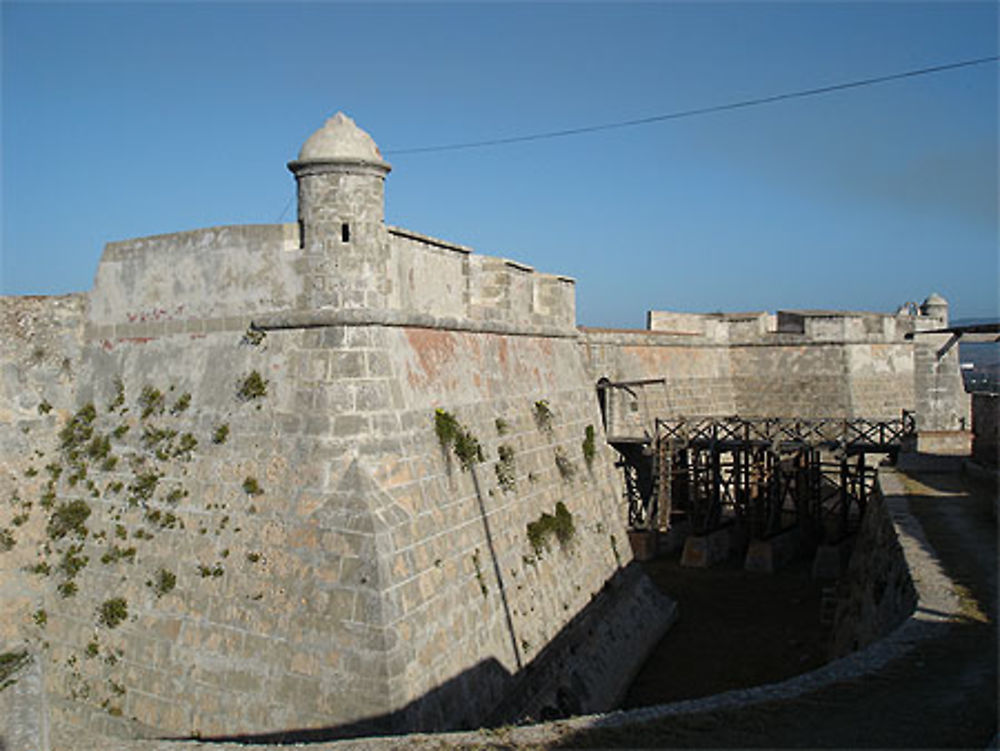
(323, 561)
(878, 592)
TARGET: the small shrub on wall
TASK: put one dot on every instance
(542, 530)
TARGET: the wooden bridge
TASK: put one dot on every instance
(764, 474)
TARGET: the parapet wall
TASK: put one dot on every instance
(206, 279)
(200, 276)
(443, 279)
(878, 590)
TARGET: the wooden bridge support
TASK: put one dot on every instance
(762, 477)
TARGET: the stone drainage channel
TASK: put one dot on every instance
(759, 716)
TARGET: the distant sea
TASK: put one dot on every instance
(984, 358)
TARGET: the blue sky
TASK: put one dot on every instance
(123, 120)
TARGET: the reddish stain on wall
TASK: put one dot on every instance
(434, 349)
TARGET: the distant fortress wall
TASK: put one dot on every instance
(790, 364)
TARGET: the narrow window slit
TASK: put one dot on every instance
(345, 232)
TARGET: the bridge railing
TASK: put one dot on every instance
(819, 432)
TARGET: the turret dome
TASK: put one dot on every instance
(341, 140)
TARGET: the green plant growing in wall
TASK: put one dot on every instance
(251, 388)
(69, 518)
(158, 440)
(44, 407)
(505, 468)
(220, 434)
(176, 495)
(614, 549)
(543, 415)
(142, 487)
(40, 617)
(99, 447)
(251, 487)
(119, 400)
(589, 446)
(10, 663)
(163, 582)
(446, 428)
(113, 612)
(152, 402)
(502, 426)
(182, 403)
(467, 449)
(253, 337)
(78, 430)
(7, 540)
(185, 447)
(48, 497)
(452, 434)
(67, 589)
(72, 562)
(115, 554)
(558, 525)
(213, 571)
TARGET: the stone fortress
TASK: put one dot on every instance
(335, 477)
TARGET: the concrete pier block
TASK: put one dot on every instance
(643, 542)
(702, 551)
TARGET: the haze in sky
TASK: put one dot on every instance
(123, 120)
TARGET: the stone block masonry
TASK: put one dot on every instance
(296, 549)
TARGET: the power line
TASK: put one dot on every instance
(700, 110)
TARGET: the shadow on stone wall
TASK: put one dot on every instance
(567, 677)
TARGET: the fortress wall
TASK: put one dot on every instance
(881, 379)
(941, 401)
(40, 341)
(39, 347)
(437, 278)
(814, 366)
(431, 277)
(695, 373)
(267, 585)
(190, 281)
(345, 583)
(473, 592)
(790, 378)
